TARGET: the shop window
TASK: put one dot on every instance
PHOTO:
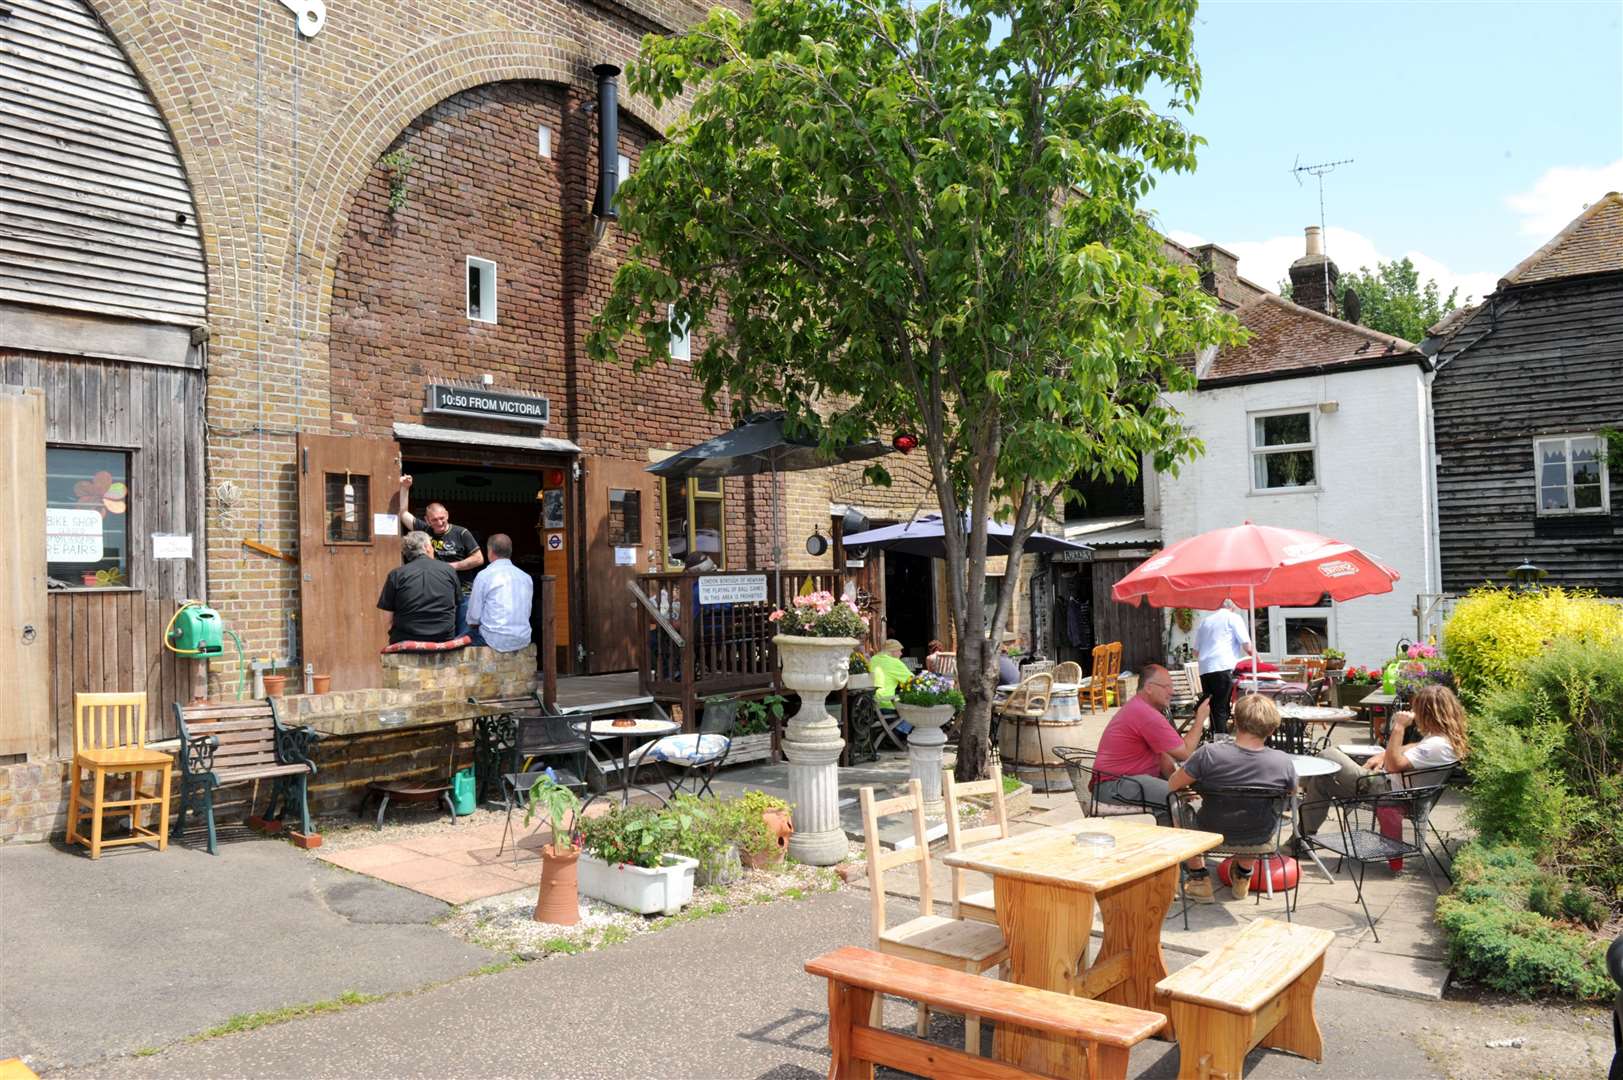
(681, 340)
(481, 290)
(87, 514)
(625, 518)
(347, 498)
(1571, 475)
(694, 521)
(1282, 450)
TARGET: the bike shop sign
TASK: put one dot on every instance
(444, 399)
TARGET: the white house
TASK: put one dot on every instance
(1315, 423)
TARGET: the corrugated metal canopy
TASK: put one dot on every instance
(424, 433)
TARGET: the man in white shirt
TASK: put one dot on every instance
(1221, 639)
(499, 609)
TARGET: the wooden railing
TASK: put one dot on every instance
(689, 651)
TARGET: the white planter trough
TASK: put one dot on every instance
(660, 891)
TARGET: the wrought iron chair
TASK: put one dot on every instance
(1251, 818)
(690, 755)
(1294, 736)
(1372, 826)
(1085, 777)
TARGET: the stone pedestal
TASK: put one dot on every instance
(924, 745)
(814, 668)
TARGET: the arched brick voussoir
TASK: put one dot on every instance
(394, 98)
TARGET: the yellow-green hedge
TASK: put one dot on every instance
(1492, 633)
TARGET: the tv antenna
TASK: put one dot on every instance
(1318, 172)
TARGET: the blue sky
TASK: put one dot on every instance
(1477, 130)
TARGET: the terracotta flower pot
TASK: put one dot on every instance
(274, 685)
(781, 826)
(559, 899)
(322, 683)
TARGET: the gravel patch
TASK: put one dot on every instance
(506, 923)
(408, 823)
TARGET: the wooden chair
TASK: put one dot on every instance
(1068, 672)
(1255, 990)
(977, 906)
(957, 944)
(109, 736)
(1106, 670)
(1184, 697)
(1103, 1033)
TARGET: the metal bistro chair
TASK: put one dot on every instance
(694, 755)
(1295, 736)
(1372, 826)
(539, 737)
(1251, 818)
(1085, 778)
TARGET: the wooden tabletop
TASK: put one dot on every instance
(1053, 855)
(1378, 698)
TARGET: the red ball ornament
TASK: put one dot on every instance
(905, 443)
(1284, 877)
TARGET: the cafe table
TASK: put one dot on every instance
(1045, 886)
(1307, 765)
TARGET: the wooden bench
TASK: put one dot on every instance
(1255, 990)
(241, 742)
(1103, 1032)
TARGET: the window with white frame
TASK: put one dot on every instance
(681, 339)
(1296, 631)
(1571, 474)
(1282, 450)
(481, 290)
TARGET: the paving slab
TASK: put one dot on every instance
(140, 948)
(1402, 976)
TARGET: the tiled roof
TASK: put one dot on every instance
(1287, 337)
(1591, 244)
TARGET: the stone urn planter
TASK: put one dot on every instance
(814, 667)
(924, 745)
(559, 899)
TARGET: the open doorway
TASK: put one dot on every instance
(910, 602)
(485, 500)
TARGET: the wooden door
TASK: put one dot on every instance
(1138, 627)
(342, 561)
(25, 706)
(619, 518)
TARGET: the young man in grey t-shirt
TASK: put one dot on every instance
(1245, 762)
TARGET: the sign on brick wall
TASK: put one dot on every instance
(487, 404)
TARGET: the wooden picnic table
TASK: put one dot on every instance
(1045, 887)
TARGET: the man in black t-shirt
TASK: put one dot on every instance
(452, 544)
(421, 595)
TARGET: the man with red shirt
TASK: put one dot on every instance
(1140, 749)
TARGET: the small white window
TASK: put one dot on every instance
(623, 167)
(543, 141)
(681, 339)
(1282, 450)
(1570, 471)
(481, 290)
(1296, 631)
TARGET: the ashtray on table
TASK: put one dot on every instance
(1095, 841)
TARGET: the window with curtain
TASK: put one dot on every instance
(1571, 475)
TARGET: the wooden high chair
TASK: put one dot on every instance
(109, 736)
(977, 906)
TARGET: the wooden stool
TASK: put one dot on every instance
(406, 792)
(109, 736)
(1255, 990)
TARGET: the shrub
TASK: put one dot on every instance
(1496, 938)
(1493, 633)
(1517, 793)
(634, 834)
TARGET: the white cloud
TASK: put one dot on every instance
(1561, 194)
(1267, 262)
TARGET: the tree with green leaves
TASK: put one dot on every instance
(887, 218)
(1393, 301)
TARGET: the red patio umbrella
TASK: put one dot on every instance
(1254, 563)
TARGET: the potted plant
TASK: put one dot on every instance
(752, 732)
(859, 677)
(927, 701)
(274, 683)
(1183, 618)
(764, 828)
(627, 860)
(1356, 683)
(707, 832)
(1334, 659)
(559, 898)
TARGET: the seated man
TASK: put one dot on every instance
(499, 609)
(1245, 762)
(421, 595)
(1140, 748)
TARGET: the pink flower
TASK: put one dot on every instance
(775, 616)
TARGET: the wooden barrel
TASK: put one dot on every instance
(1027, 745)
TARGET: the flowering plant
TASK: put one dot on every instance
(1421, 651)
(1357, 676)
(819, 614)
(927, 688)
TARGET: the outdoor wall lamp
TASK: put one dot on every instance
(1527, 576)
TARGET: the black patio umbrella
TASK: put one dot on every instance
(759, 444)
(924, 537)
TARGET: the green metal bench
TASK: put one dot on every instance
(237, 743)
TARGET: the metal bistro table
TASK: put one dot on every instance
(1327, 715)
(1307, 766)
(603, 729)
(1378, 707)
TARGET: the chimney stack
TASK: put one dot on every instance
(1219, 272)
(1314, 276)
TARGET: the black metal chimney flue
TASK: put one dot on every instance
(608, 140)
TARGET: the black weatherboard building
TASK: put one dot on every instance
(1528, 406)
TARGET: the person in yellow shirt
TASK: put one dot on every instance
(888, 673)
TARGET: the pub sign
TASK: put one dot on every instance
(487, 404)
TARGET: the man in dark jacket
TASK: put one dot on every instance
(421, 594)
